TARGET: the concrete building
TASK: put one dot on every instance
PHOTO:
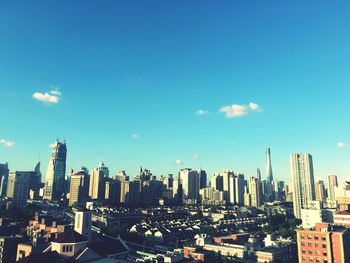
(332, 185)
(239, 184)
(254, 187)
(55, 175)
(342, 218)
(325, 243)
(98, 182)
(18, 188)
(82, 222)
(202, 178)
(211, 196)
(79, 188)
(302, 174)
(189, 180)
(320, 191)
(113, 191)
(4, 175)
(342, 196)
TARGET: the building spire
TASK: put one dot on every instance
(269, 174)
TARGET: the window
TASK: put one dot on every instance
(309, 237)
(309, 244)
(323, 238)
(317, 252)
(324, 246)
(325, 254)
(303, 258)
(316, 244)
(318, 260)
(303, 244)
(303, 251)
(302, 236)
(316, 237)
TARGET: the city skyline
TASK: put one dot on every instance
(185, 85)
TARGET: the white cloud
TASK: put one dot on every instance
(135, 136)
(253, 106)
(179, 162)
(236, 110)
(196, 157)
(201, 112)
(51, 97)
(341, 145)
(7, 143)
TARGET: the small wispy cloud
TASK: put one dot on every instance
(135, 136)
(7, 143)
(51, 97)
(201, 112)
(341, 145)
(179, 162)
(239, 110)
(196, 157)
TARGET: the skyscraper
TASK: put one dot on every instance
(79, 188)
(320, 191)
(302, 173)
(239, 184)
(98, 182)
(190, 184)
(202, 179)
(269, 195)
(4, 175)
(254, 191)
(18, 188)
(332, 184)
(269, 175)
(56, 170)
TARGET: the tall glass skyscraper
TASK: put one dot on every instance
(302, 172)
(56, 170)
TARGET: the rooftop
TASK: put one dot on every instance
(70, 236)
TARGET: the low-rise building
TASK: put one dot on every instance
(325, 243)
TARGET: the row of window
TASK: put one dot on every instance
(315, 237)
(313, 244)
(316, 252)
(316, 260)
(68, 248)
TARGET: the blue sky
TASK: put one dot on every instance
(144, 68)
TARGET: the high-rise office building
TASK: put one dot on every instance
(302, 174)
(113, 191)
(202, 179)
(254, 187)
(56, 170)
(35, 182)
(320, 191)
(190, 184)
(269, 193)
(4, 176)
(269, 175)
(79, 188)
(332, 184)
(18, 188)
(98, 182)
(216, 182)
(228, 186)
(239, 184)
